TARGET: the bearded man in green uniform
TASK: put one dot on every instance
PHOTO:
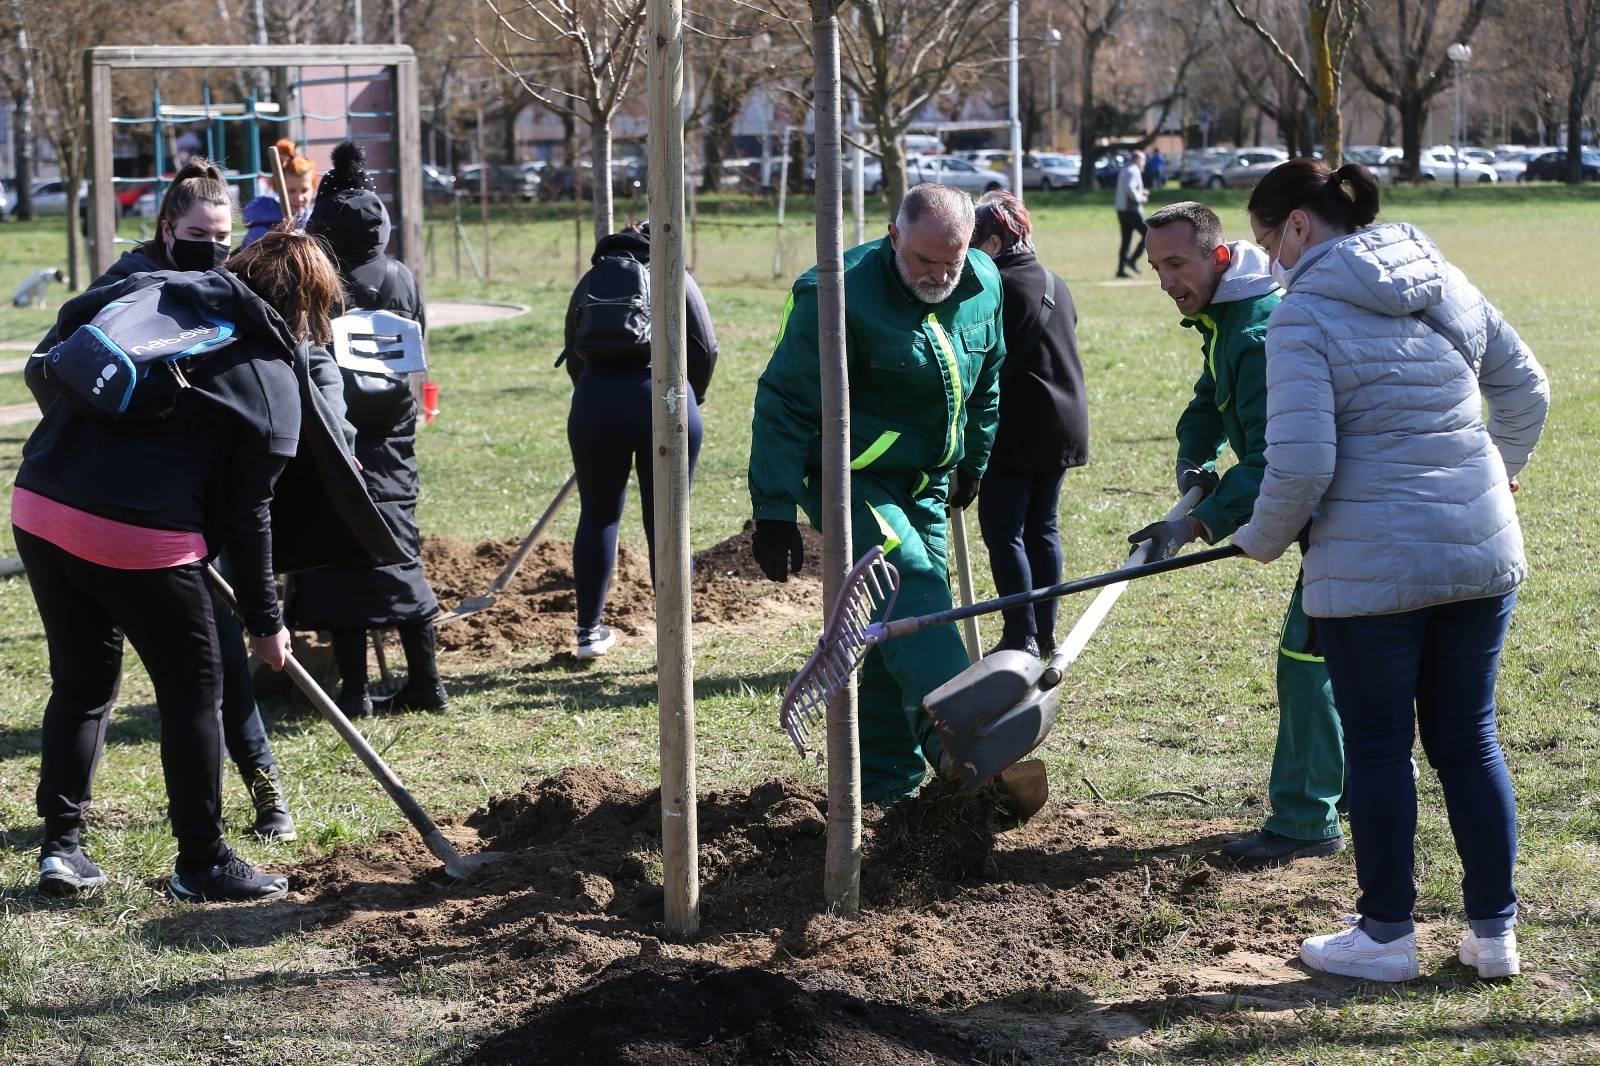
(924, 345)
(1226, 293)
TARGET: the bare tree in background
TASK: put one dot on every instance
(1400, 58)
(1581, 20)
(1095, 23)
(1329, 27)
(601, 38)
(733, 54)
(17, 72)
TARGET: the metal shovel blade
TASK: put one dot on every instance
(993, 714)
(471, 605)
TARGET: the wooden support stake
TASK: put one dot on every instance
(669, 372)
(841, 879)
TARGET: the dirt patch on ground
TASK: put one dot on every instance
(539, 607)
(967, 919)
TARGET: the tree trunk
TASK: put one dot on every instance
(1088, 131)
(1413, 110)
(23, 140)
(895, 184)
(724, 111)
(569, 143)
(600, 156)
(797, 157)
(72, 174)
(1330, 124)
(1575, 95)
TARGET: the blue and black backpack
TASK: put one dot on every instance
(128, 362)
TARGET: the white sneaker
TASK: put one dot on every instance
(593, 643)
(1494, 956)
(1352, 953)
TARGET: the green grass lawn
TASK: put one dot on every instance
(1174, 693)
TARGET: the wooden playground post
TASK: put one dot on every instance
(669, 429)
(841, 879)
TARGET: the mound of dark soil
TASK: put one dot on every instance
(659, 1012)
(539, 607)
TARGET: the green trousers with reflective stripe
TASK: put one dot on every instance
(1308, 763)
(898, 741)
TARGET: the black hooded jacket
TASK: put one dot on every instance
(700, 338)
(209, 467)
(1044, 416)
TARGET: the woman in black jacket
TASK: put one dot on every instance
(607, 353)
(115, 521)
(1044, 422)
(352, 599)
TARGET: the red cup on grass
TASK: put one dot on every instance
(430, 401)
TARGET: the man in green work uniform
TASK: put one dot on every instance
(1226, 294)
(924, 344)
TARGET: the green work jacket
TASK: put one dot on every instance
(1229, 408)
(924, 382)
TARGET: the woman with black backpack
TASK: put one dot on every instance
(607, 353)
(116, 511)
(355, 598)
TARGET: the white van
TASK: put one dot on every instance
(922, 144)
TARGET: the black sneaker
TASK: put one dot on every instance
(272, 812)
(1267, 848)
(418, 696)
(1029, 644)
(230, 881)
(68, 873)
(593, 643)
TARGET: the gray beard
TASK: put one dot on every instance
(926, 293)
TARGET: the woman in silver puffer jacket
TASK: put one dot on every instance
(1380, 362)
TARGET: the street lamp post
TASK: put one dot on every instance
(1458, 53)
(1016, 117)
(1053, 41)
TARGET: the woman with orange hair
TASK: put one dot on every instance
(299, 177)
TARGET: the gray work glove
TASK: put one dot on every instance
(1169, 537)
(1191, 473)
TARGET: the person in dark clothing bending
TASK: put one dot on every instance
(1044, 423)
(607, 354)
(119, 548)
(354, 598)
(194, 225)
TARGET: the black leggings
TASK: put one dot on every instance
(166, 614)
(416, 638)
(609, 432)
(1017, 513)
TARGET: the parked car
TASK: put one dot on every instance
(504, 183)
(1245, 167)
(990, 159)
(5, 200)
(1552, 166)
(1109, 166)
(50, 198)
(1512, 163)
(1435, 166)
(923, 144)
(131, 194)
(1375, 159)
(1050, 170)
(437, 186)
(1196, 168)
(951, 170)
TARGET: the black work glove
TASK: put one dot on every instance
(1191, 473)
(777, 547)
(1169, 537)
(965, 491)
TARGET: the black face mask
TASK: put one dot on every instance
(197, 255)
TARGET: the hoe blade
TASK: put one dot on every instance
(993, 714)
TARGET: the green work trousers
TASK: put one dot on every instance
(898, 741)
(1308, 763)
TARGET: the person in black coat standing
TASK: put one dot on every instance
(1044, 422)
(352, 599)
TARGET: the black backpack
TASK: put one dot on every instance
(613, 313)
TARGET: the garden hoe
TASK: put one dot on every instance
(456, 866)
(474, 604)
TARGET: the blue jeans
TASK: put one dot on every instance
(609, 432)
(1430, 670)
(1017, 514)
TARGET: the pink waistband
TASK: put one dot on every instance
(103, 541)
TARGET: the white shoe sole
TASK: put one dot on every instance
(1505, 966)
(1390, 972)
(594, 651)
(180, 891)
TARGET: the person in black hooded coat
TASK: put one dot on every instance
(352, 599)
(118, 549)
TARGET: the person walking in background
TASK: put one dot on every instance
(1382, 358)
(1155, 169)
(1130, 201)
(1226, 293)
(607, 355)
(353, 598)
(1044, 422)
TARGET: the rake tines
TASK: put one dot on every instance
(869, 591)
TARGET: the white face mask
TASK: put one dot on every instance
(1279, 275)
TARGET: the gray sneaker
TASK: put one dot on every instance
(593, 643)
(68, 874)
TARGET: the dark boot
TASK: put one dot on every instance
(422, 690)
(272, 810)
(1266, 848)
(350, 655)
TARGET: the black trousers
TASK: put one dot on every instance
(1132, 222)
(243, 731)
(166, 614)
(1017, 514)
(350, 656)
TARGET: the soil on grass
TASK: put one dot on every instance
(966, 917)
(539, 607)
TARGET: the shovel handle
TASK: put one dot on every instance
(515, 562)
(435, 841)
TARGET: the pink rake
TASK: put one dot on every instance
(869, 591)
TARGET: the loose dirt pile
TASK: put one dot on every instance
(539, 607)
(963, 914)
